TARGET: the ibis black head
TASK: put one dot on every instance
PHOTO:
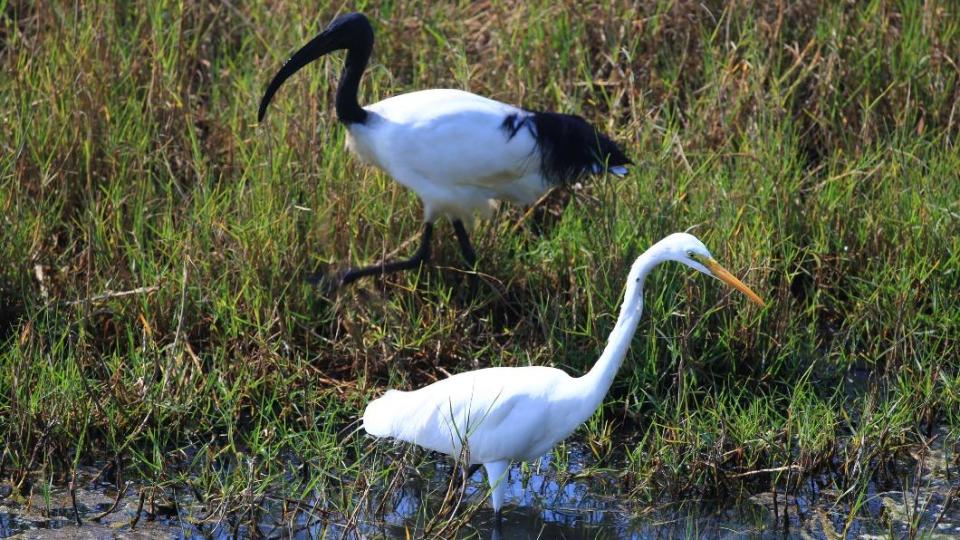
(351, 32)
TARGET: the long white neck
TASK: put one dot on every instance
(594, 385)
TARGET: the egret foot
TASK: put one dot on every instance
(497, 532)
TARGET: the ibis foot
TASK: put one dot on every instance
(325, 281)
(422, 256)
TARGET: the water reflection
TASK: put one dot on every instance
(577, 502)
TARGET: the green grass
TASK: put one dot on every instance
(812, 148)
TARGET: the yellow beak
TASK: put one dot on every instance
(728, 278)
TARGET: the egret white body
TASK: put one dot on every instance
(458, 151)
(508, 414)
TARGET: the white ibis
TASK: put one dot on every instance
(458, 151)
(507, 414)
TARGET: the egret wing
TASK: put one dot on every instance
(499, 412)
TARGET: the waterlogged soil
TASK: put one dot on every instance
(52, 515)
(542, 502)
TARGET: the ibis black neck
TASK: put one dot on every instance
(351, 32)
(349, 110)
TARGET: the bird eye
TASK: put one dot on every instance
(691, 254)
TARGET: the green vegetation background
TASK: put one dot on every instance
(811, 145)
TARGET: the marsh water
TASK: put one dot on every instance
(577, 502)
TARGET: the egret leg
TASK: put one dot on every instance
(467, 471)
(497, 476)
(421, 256)
(469, 255)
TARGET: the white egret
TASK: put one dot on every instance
(507, 414)
(458, 151)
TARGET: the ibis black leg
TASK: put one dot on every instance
(421, 256)
(469, 255)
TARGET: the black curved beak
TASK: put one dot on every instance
(315, 48)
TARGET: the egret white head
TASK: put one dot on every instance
(689, 250)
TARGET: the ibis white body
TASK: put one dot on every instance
(450, 147)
